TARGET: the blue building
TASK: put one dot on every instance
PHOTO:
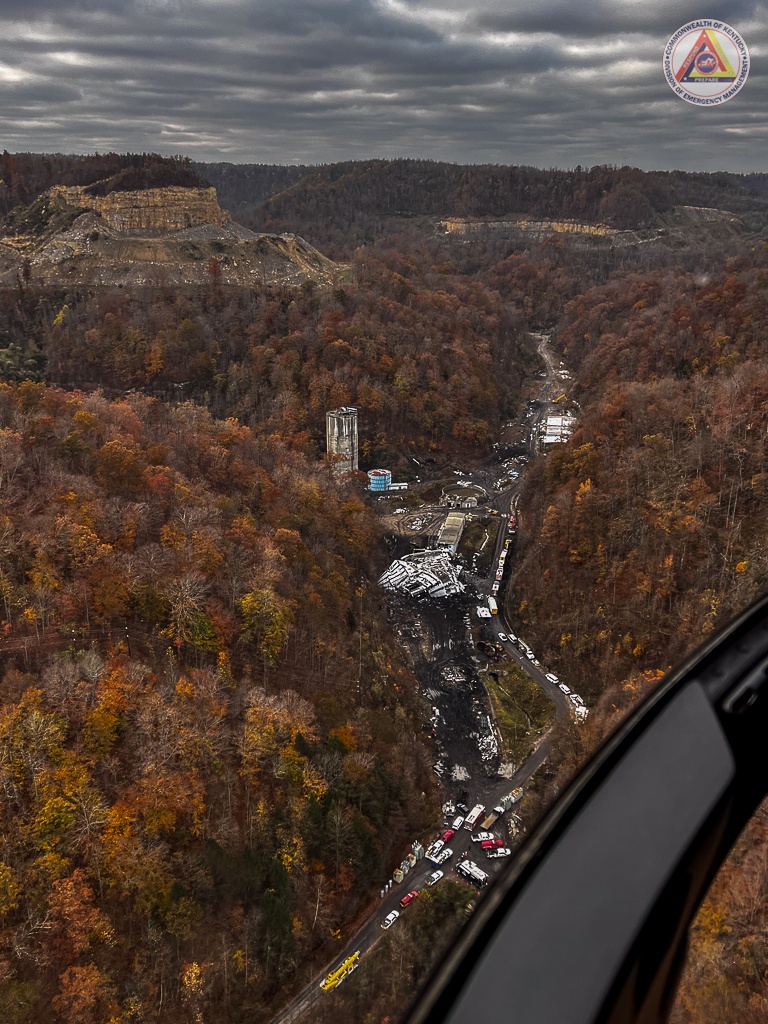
(379, 479)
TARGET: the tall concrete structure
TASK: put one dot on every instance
(341, 436)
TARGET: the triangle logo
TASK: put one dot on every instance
(706, 61)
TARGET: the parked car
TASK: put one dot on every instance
(491, 844)
(409, 897)
(434, 878)
(552, 678)
(444, 855)
(390, 919)
(502, 851)
(513, 638)
(448, 835)
(574, 698)
(564, 688)
(457, 823)
(503, 636)
(482, 837)
(530, 655)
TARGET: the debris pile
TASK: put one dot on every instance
(423, 574)
(485, 734)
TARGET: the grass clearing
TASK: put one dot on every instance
(523, 712)
(472, 540)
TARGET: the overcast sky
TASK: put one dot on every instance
(553, 83)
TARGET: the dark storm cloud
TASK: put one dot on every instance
(550, 83)
(596, 18)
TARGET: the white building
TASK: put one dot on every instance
(557, 429)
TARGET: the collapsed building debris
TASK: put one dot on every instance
(423, 574)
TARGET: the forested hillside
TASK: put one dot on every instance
(209, 746)
(242, 188)
(213, 749)
(647, 530)
(654, 514)
(433, 357)
(340, 206)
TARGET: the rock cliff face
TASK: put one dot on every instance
(681, 227)
(159, 237)
(150, 211)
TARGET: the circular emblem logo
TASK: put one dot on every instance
(706, 62)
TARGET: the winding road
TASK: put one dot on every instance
(487, 792)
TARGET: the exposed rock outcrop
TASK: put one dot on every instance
(681, 227)
(151, 210)
(161, 237)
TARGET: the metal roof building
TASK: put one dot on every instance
(451, 531)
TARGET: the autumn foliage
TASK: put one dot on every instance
(204, 769)
(647, 530)
(653, 514)
(210, 748)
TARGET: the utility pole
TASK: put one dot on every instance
(360, 656)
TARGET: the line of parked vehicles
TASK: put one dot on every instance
(439, 853)
(580, 710)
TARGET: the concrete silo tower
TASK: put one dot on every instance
(341, 436)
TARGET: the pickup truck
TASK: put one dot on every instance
(434, 849)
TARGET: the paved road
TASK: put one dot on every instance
(488, 793)
(461, 844)
(563, 707)
(536, 672)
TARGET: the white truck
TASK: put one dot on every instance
(474, 816)
(472, 872)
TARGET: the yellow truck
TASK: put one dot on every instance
(336, 977)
